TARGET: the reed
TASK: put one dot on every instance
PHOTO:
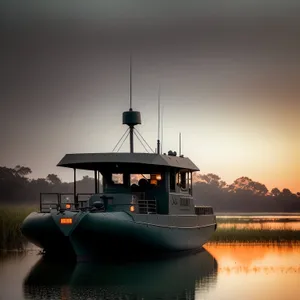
(11, 237)
(228, 220)
(11, 219)
(245, 235)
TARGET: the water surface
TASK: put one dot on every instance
(219, 272)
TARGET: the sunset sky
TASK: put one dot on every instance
(228, 70)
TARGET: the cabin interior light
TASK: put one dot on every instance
(153, 181)
(132, 208)
(68, 206)
(158, 177)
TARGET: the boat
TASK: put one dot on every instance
(145, 205)
(153, 215)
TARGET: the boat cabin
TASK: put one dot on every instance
(136, 182)
(140, 183)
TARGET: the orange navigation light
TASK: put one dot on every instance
(66, 221)
(132, 208)
(68, 206)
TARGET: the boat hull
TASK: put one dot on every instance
(97, 235)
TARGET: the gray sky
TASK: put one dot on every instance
(229, 75)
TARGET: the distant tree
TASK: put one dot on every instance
(53, 179)
(246, 184)
(286, 193)
(40, 185)
(87, 178)
(222, 184)
(209, 178)
(298, 194)
(275, 192)
(258, 188)
(241, 182)
(213, 177)
(86, 185)
(22, 171)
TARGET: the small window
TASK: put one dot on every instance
(172, 180)
(190, 182)
(117, 178)
(183, 180)
(135, 178)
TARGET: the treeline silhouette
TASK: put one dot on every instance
(243, 195)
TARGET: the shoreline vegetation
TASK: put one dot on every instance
(11, 237)
(245, 235)
(242, 195)
(11, 219)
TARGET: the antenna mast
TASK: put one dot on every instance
(131, 118)
(131, 127)
(158, 119)
(130, 85)
(162, 129)
(179, 143)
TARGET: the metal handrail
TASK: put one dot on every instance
(147, 206)
(142, 206)
(204, 210)
(49, 203)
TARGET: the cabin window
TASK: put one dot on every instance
(117, 178)
(172, 180)
(153, 179)
(190, 182)
(183, 181)
(135, 178)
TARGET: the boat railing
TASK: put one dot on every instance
(146, 206)
(204, 210)
(50, 201)
(83, 200)
(139, 195)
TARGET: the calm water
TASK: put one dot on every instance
(219, 272)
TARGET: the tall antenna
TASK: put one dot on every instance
(131, 118)
(130, 85)
(158, 119)
(162, 130)
(179, 143)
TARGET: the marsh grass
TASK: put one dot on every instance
(262, 219)
(11, 219)
(245, 235)
(11, 237)
(233, 234)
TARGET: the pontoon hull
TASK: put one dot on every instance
(92, 235)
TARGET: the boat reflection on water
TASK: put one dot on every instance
(176, 277)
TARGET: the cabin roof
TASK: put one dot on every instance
(88, 161)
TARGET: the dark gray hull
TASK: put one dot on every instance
(92, 235)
